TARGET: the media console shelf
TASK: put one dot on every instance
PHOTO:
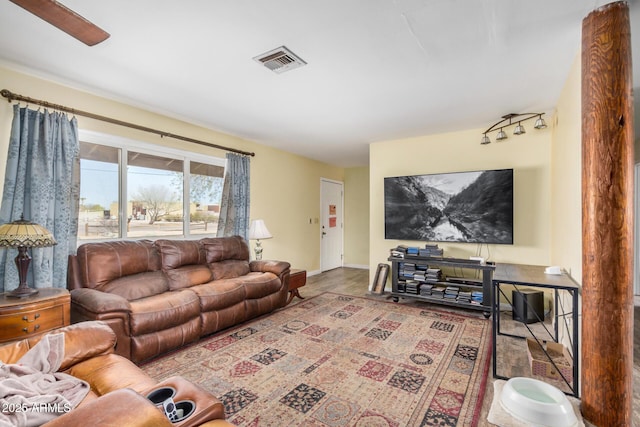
(467, 276)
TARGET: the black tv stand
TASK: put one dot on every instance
(464, 281)
(469, 284)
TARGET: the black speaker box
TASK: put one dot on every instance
(528, 306)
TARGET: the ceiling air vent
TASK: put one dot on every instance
(280, 60)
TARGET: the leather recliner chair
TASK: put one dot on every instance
(118, 387)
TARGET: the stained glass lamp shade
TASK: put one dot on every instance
(23, 234)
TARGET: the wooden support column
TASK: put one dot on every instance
(607, 217)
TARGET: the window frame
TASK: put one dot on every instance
(125, 145)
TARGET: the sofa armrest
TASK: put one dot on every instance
(89, 304)
(119, 408)
(73, 273)
(84, 341)
(81, 341)
(276, 267)
(93, 301)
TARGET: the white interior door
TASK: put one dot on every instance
(331, 238)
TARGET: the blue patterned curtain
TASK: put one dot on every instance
(234, 206)
(42, 182)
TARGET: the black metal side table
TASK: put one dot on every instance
(533, 276)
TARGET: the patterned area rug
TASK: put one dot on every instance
(336, 360)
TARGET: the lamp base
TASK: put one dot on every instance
(22, 292)
(258, 250)
(22, 264)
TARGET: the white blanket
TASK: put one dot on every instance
(32, 392)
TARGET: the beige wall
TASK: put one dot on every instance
(285, 192)
(356, 216)
(285, 188)
(566, 191)
(566, 177)
(528, 155)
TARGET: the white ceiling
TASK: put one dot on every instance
(377, 69)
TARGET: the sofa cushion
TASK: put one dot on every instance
(163, 311)
(176, 253)
(137, 286)
(103, 262)
(224, 248)
(229, 269)
(258, 285)
(220, 294)
(183, 262)
(188, 275)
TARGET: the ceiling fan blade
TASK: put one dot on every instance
(65, 19)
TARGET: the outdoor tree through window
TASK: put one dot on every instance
(156, 194)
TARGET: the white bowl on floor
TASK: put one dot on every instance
(537, 402)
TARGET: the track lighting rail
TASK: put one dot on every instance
(512, 119)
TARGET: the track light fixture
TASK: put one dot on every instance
(519, 130)
(540, 123)
(510, 120)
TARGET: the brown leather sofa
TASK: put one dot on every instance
(158, 296)
(118, 387)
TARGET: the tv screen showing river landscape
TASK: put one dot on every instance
(471, 207)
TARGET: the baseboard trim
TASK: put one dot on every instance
(360, 266)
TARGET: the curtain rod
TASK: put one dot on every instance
(13, 96)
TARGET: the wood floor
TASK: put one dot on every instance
(351, 281)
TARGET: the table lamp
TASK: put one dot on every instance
(258, 231)
(23, 234)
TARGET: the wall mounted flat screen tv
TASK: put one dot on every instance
(470, 207)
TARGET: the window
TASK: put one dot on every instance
(135, 190)
(205, 191)
(154, 195)
(99, 184)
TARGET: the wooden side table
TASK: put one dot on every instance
(25, 317)
(297, 279)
